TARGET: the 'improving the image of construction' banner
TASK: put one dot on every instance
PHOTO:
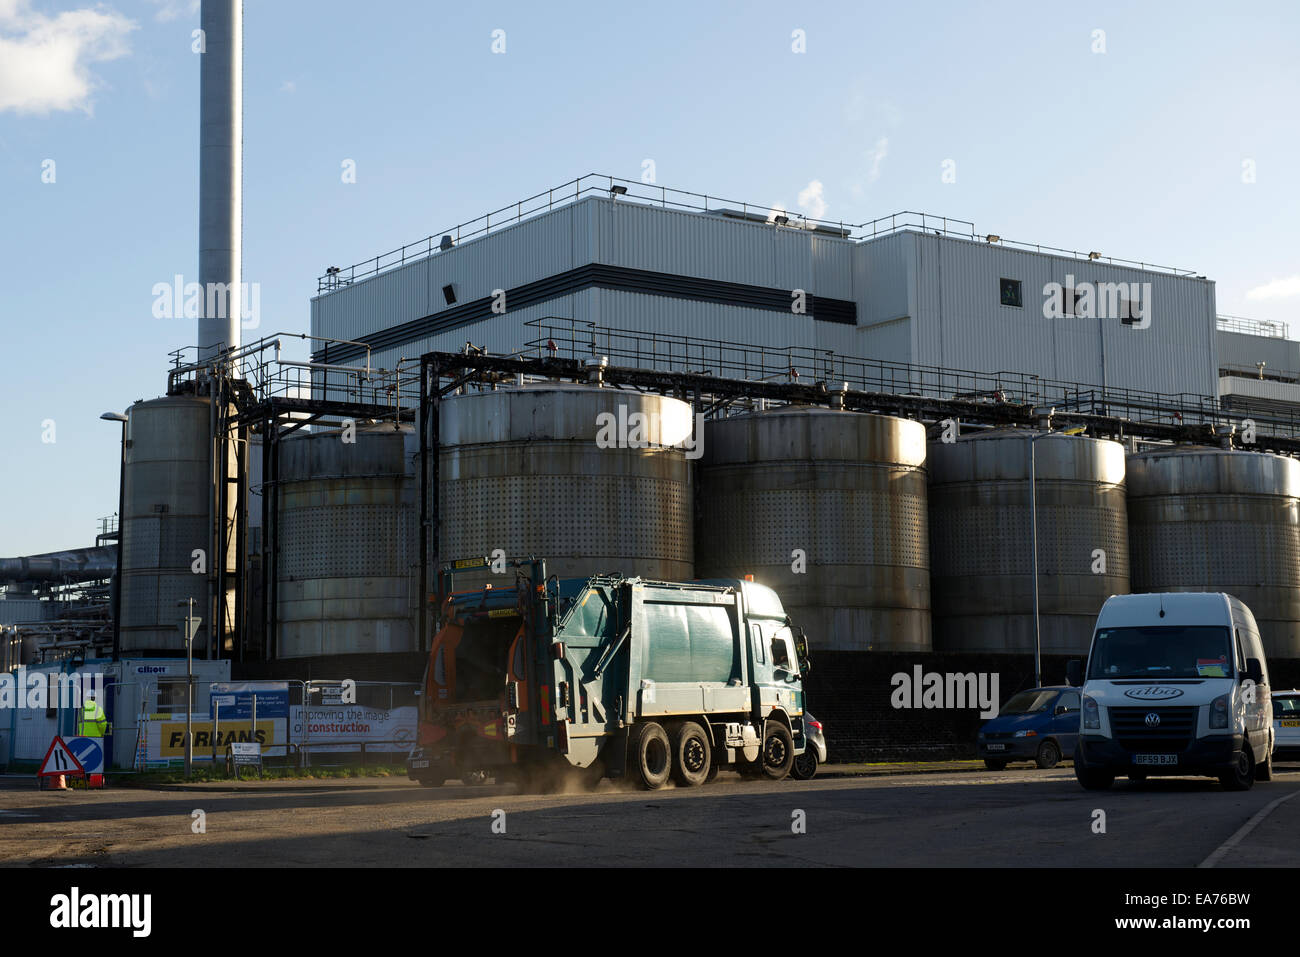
(344, 727)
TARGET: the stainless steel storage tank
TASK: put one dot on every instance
(982, 572)
(845, 489)
(346, 573)
(169, 479)
(1204, 519)
(593, 480)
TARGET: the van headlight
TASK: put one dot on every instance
(1091, 715)
(1219, 711)
(1026, 734)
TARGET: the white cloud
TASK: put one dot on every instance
(175, 9)
(44, 61)
(288, 86)
(1277, 289)
(811, 200)
(876, 156)
(778, 209)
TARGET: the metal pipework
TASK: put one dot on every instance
(221, 161)
(74, 565)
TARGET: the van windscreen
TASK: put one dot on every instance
(1162, 651)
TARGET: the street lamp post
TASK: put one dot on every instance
(1033, 539)
(121, 525)
(189, 686)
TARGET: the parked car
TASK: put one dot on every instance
(1286, 725)
(814, 752)
(1038, 725)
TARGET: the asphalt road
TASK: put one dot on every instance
(1020, 817)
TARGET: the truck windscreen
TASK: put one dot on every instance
(1162, 651)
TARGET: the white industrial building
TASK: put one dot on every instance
(613, 254)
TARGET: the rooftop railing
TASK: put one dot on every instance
(579, 339)
(628, 190)
(1254, 327)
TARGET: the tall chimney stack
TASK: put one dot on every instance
(221, 162)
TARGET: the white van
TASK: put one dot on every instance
(1176, 683)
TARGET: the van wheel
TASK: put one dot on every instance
(995, 764)
(778, 751)
(692, 754)
(1264, 770)
(1242, 775)
(653, 755)
(1049, 755)
(1091, 780)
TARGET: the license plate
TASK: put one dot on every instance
(1155, 759)
(996, 747)
(420, 763)
(1291, 724)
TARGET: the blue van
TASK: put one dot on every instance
(1038, 725)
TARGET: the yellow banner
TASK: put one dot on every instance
(172, 736)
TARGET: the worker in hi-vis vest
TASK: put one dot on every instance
(92, 722)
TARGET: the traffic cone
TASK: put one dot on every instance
(53, 783)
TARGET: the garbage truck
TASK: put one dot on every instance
(553, 681)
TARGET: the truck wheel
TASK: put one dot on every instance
(1242, 775)
(1048, 755)
(714, 768)
(778, 750)
(472, 778)
(692, 754)
(653, 755)
(805, 765)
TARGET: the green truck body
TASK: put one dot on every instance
(612, 676)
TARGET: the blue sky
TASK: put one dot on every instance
(1137, 151)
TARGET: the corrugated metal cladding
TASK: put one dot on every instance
(717, 247)
(1238, 350)
(594, 230)
(880, 277)
(920, 298)
(14, 610)
(645, 314)
(514, 255)
(1260, 389)
(961, 323)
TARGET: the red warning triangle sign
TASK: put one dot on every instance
(59, 760)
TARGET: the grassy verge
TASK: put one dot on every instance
(177, 775)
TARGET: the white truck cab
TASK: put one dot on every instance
(1175, 684)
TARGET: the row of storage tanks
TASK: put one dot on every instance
(874, 538)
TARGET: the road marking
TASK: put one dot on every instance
(1245, 829)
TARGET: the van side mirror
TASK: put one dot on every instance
(1074, 673)
(1255, 670)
